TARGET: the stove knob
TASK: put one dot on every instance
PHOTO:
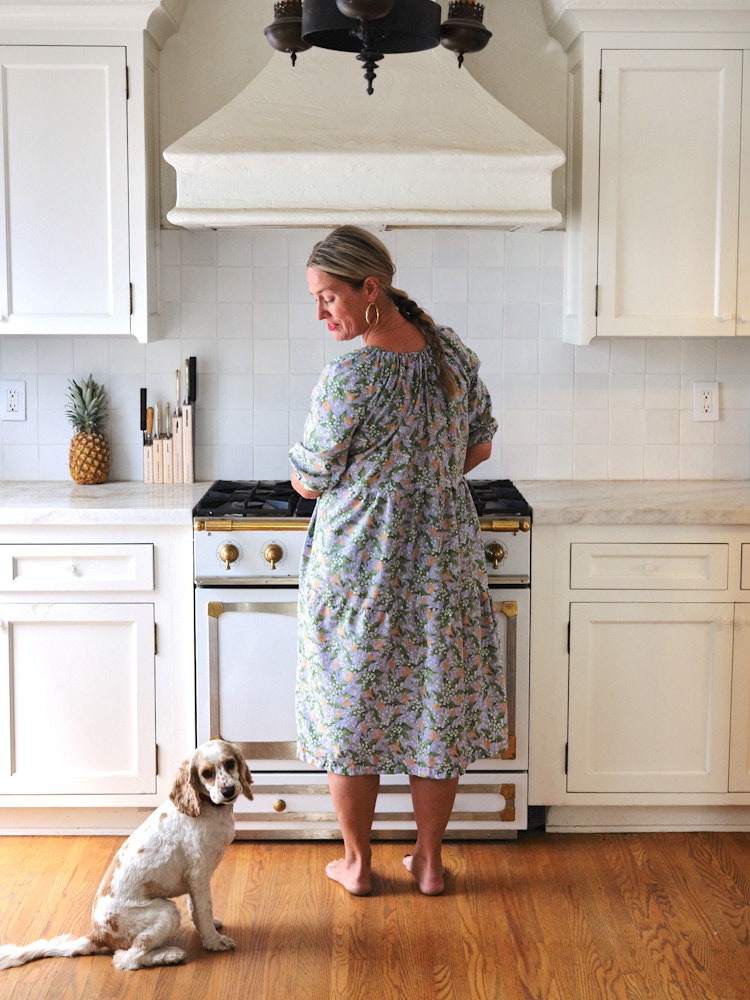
(495, 553)
(272, 553)
(228, 553)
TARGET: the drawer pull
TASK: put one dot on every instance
(279, 806)
(73, 569)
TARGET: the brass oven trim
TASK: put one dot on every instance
(251, 524)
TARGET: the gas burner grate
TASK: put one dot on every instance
(256, 498)
(277, 498)
(498, 497)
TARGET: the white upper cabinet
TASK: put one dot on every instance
(65, 259)
(669, 193)
(79, 161)
(658, 209)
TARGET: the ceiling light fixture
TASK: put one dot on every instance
(376, 28)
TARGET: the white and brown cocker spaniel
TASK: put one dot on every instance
(174, 852)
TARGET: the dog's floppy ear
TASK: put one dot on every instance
(184, 792)
(246, 779)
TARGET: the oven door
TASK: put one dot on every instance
(246, 659)
(246, 662)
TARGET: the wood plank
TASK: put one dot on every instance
(568, 917)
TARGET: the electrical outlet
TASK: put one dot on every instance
(705, 400)
(12, 400)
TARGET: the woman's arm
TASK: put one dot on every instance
(303, 492)
(475, 454)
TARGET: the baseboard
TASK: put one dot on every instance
(633, 819)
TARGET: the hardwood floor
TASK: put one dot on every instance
(553, 917)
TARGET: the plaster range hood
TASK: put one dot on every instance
(306, 146)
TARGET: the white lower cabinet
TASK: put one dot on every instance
(640, 676)
(739, 757)
(97, 685)
(650, 697)
(77, 699)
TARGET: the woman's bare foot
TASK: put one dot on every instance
(430, 878)
(351, 875)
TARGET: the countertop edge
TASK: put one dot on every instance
(127, 503)
(634, 502)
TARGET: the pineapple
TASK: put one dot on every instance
(86, 409)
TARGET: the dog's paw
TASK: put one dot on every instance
(219, 943)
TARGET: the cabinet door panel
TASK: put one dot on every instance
(64, 202)
(77, 699)
(739, 754)
(743, 270)
(650, 688)
(669, 192)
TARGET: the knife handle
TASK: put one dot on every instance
(192, 387)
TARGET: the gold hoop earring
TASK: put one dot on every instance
(372, 305)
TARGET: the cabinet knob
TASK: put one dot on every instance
(272, 553)
(725, 317)
(73, 569)
(228, 553)
(279, 806)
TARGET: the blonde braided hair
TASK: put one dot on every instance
(353, 254)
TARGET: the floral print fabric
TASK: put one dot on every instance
(400, 666)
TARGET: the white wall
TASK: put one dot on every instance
(239, 302)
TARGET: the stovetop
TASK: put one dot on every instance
(263, 498)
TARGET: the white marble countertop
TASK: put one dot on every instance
(712, 502)
(110, 503)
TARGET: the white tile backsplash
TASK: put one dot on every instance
(239, 302)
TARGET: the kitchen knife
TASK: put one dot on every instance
(158, 447)
(188, 474)
(167, 445)
(177, 433)
(148, 451)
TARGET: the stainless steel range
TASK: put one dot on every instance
(248, 543)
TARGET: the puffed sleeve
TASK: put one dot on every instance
(320, 458)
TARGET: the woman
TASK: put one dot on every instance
(399, 662)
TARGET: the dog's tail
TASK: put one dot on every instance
(64, 946)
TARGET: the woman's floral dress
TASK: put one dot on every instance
(400, 667)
